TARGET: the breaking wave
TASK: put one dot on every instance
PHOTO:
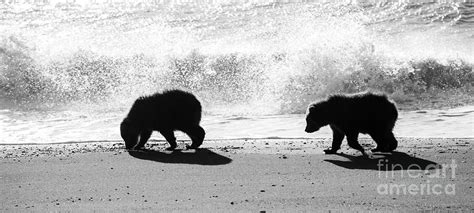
(269, 58)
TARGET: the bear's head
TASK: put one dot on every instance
(129, 133)
(316, 117)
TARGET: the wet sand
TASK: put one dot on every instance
(238, 175)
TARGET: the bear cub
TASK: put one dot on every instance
(163, 112)
(349, 115)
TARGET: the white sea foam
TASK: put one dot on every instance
(251, 58)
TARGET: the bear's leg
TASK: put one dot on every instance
(353, 143)
(196, 134)
(380, 140)
(337, 137)
(144, 136)
(391, 141)
(386, 142)
(169, 136)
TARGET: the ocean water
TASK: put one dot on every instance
(70, 70)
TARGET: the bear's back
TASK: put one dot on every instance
(364, 106)
(179, 106)
(172, 108)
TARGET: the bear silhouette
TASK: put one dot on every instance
(163, 112)
(349, 115)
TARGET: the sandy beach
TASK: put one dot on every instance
(431, 174)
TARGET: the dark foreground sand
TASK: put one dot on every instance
(238, 175)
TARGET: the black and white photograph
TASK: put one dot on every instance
(236, 106)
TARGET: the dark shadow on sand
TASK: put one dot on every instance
(385, 162)
(198, 156)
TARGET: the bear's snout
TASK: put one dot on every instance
(309, 129)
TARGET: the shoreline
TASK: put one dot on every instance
(453, 123)
(239, 175)
(247, 145)
(363, 137)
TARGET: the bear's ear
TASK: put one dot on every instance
(311, 108)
